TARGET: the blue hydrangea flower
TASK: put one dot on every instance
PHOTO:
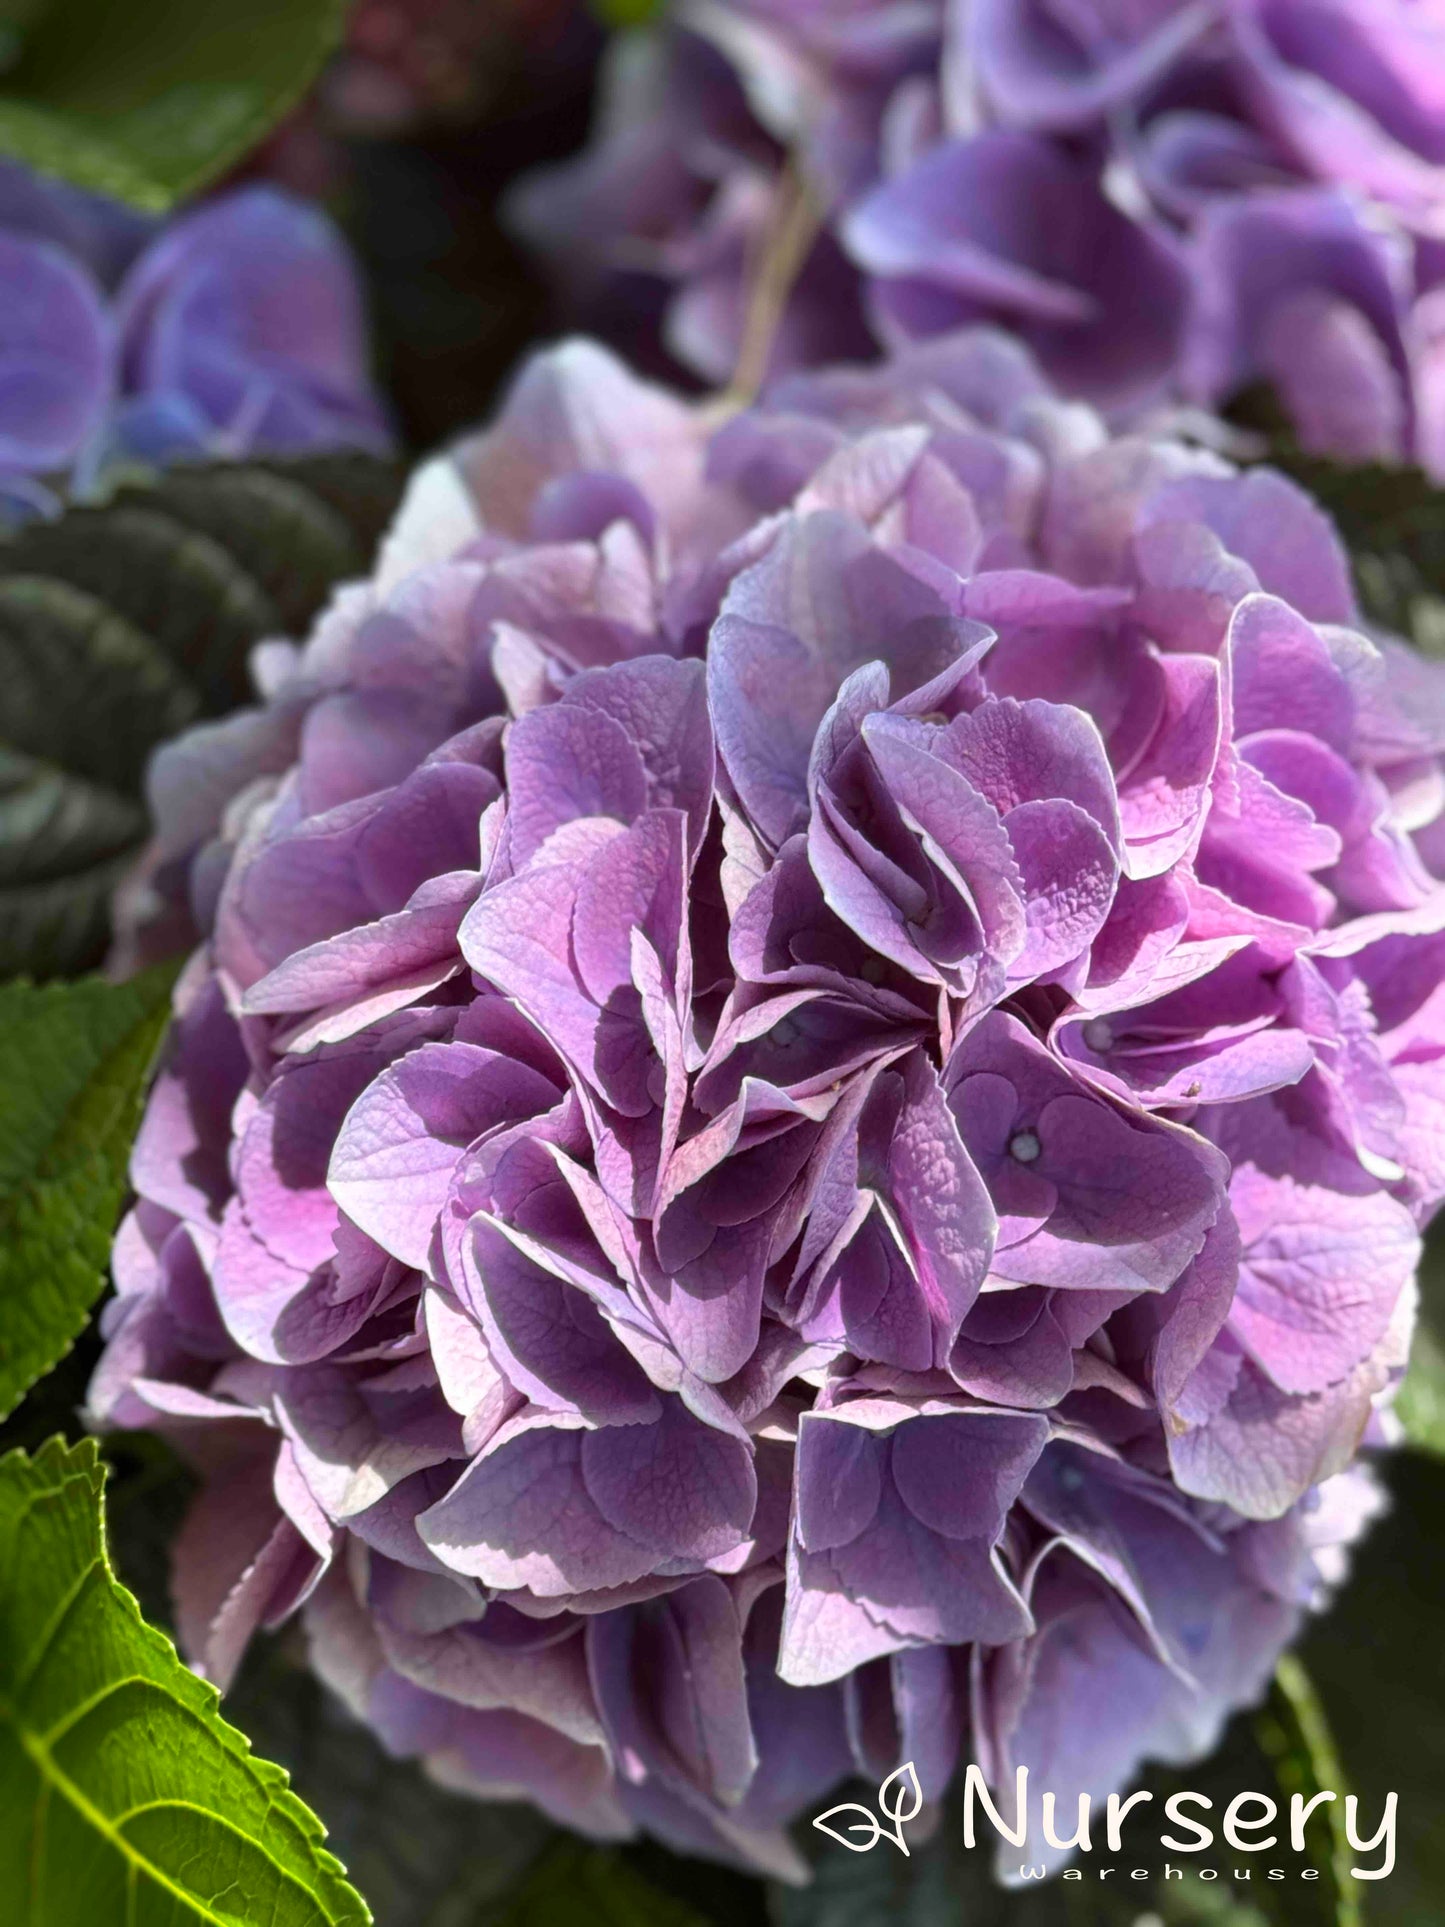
(234, 328)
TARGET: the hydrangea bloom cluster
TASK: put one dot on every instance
(798, 1134)
(1173, 198)
(233, 329)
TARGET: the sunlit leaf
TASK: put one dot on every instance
(148, 103)
(124, 1796)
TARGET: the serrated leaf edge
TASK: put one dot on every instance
(64, 1465)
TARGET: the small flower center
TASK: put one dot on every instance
(1099, 1035)
(1024, 1145)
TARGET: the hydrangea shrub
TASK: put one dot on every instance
(797, 1136)
(1168, 200)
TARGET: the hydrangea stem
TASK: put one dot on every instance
(792, 228)
(1298, 1739)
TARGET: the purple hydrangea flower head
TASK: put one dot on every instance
(235, 328)
(797, 1135)
(1168, 200)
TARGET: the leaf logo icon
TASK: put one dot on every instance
(867, 1821)
(907, 1800)
(900, 1799)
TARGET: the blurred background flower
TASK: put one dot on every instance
(1179, 201)
(237, 328)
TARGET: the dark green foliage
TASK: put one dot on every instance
(119, 624)
(1391, 518)
(1393, 523)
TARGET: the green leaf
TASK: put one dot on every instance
(50, 821)
(149, 103)
(363, 489)
(73, 1066)
(124, 1797)
(1374, 1661)
(1392, 521)
(119, 624)
(1421, 1403)
(1420, 1406)
(622, 15)
(79, 681)
(1296, 1735)
(198, 609)
(292, 543)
